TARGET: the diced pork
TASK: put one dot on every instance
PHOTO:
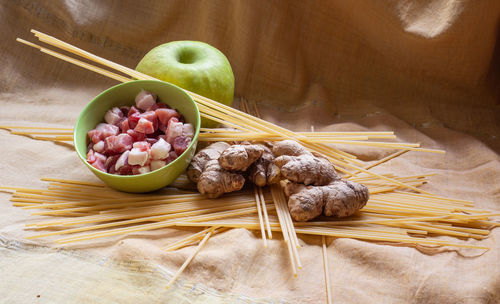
(158, 105)
(181, 143)
(133, 119)
(122, 160)
(152, 140)
(157, 164)
(160, 149)
(144, 126)
(133, 110)
(137, 157)
(136, 135)
(124, 126)
(187, 130)
(138, 139)
(144, 100)
(171, 157)
(118, 144)
(110, 163)
(140, 169)
(107, 130)
(165, 114)
(142, 145)
(96, 160)
(125, 170)
(113, 116)
(102, 131)
(99, 146)
(174, 130)
(125, 110)
(151, 116)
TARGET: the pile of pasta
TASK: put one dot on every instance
(398, 211)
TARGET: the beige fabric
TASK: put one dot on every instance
(429, 70)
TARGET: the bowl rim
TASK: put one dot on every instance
(193, 141)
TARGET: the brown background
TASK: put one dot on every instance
(429, 70)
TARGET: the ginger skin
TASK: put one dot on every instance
(260, 172)
(312, 184)
(340, 198)
(212, 180)
(298, 165)
(240, 157)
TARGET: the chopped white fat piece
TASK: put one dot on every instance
(137, 157)
(160, 149)
(144, 100)
(188, 130)
(122, 160)
(144, 169)
(113, 116)
(174, 129)
(99, 147)
(157, 164)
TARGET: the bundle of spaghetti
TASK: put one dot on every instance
(366, 233)
(441, 212)
(192, 239)
(219, 112)
(259, 212)
(287, 228)
(208, 234)
(137, 215)
(325, 270)
(153, 226)
(42, 133)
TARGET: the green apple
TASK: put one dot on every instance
(192, 65)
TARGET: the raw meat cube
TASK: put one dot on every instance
(137, 157)
(140, 169)
(151, 141)
(125, 110)
(96, 160)
(144, 100)
(118, 144)
(174, 130)
(144, 126)
(110, 163)
(158, 105)
(133, 119)
(136, 135)
(151, 116)
(181, 143)
(157, 164)
(113, 116)
(99, 147)
(165, 114)
(124, 126)
(171, 157)
(187, 130)
(122, 160)
(160, 149)
(142, 145)
(102, 131)
(125, 170)
(133, 110)
(107, 130)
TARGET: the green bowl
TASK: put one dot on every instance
(124, 95)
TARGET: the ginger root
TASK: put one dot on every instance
(212, 180)
(240, 157)
(298, 165)
(312, 184)
(340, 198)
(261, 172)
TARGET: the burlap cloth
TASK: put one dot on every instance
(429, 70)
